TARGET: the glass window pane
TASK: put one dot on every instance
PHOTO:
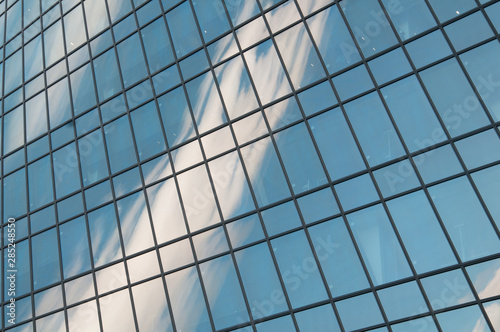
(33, 61)
(464, 319)
(40, 183)
(190, 313)
(14, 199)
(132, 64)
(374, 129)
(338, 258)
(378, 244)
(245, 230)
(238, 98)
(157, 45)
(421, 232)
(373, 34)
(298, 267)
(218, 142)
(74, 31)
(462, 36)
(183, 29)
(176, 255)
(358, 312)
(96, 15)
(224, 294)
(82, 89)
(267, 72)
(106, 246)
(318, 319)
(333, 39)
(318, 205)
(454, 98)
(447, 289)
(54, 43)
(120, 144)
(231, 185)
(437, 164)
(299, 56)
(468, 226)
(151, 306)
(260, 280)
(412, 113)
(54, 322)
(409, 17)
(107, 75)
(116, 311)
(134, 223)
(396, 178)
(207, 107)
(13, 130)
(282, 16)
(36, 117)
(317, 98)
(353, 82)
(402, 301)
(79, 289)
(176, 117)
(419, 48)
(389, 66)
(241, 11)
(83, 315)
(356, 192)
(482, 64)
(447, 9)
(168, 220)
(92, 157)
(212, 18)
(45, 259)
(300, 158)
(74, 247)
(480, 149)
(147, 131)
(484, 278)
(281, 218)
(265, 172)
(198, 198)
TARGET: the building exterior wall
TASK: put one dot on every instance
(250, 165)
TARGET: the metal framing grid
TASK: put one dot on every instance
(293, 197)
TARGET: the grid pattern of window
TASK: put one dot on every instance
(251, 165)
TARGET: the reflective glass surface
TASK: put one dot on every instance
(257, 165)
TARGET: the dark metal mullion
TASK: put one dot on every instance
(28, 220)
(155, 100)
(51, 159)
(181, 201)
(127, 114)
(325, 169)
(486, 111)
(412, 162)
(367, 166)
(425, 188)
(370, 172)
(469, 177)
(108, 166)
(274, 146)
(282, 164)
(240, 158)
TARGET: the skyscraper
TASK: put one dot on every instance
(250, 165)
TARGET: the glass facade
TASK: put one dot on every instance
(250, 165)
